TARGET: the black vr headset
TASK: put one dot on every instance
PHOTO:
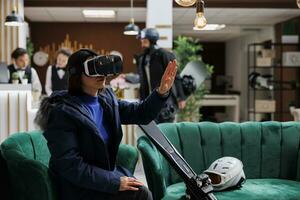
(96, 66)
(109, 65)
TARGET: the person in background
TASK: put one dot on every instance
(151, 66)
(57, 75)
(21, 66)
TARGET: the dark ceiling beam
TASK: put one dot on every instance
(83, 3)
(142, 3)
(251, 3)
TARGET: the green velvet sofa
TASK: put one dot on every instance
(268, 150)
(26, 157)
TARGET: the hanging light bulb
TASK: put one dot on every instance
(298, 3)
(185, 3)
(131, 28)
(200, 20)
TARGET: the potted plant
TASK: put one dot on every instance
(188, 49)
(24, 79)
(15, 78)
(29, 47)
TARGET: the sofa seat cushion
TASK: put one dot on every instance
(253, 189)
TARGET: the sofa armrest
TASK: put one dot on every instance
(31, 180)
(6, 189)
(152, 167)
(127, 157)
(298, 167)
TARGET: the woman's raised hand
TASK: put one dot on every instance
(168, 78)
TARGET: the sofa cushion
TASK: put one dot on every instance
(253, 189)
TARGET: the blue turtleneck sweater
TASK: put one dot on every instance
(96, 112)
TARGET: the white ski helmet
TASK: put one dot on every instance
(226, 172)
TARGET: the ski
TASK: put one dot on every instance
(198, 186)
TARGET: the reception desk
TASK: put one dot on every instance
(16, 112)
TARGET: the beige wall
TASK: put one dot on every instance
(236, 62)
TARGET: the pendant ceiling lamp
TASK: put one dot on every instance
(200, 20)
(13, 19)
(185, 3)
(131, 28)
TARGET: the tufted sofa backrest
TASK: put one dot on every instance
(267, 149)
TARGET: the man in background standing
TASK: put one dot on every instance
(151, 66)
(21, 66)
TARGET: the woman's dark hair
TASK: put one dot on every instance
(75, 67)
(18, 52)
(74, 85)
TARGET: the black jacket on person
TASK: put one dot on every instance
(159, 59)
(84, 166)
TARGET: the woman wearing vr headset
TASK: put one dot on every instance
(83, 129)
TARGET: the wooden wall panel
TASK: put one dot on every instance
(107, 36)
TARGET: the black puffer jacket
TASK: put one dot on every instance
(83, 164)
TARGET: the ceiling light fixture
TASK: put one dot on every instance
(131, 28)
(14, 19)
(211, 27)
(99, 13)
(200, 20)
(185, 3)
(298, 3)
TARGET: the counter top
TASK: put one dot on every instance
(15, 87)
